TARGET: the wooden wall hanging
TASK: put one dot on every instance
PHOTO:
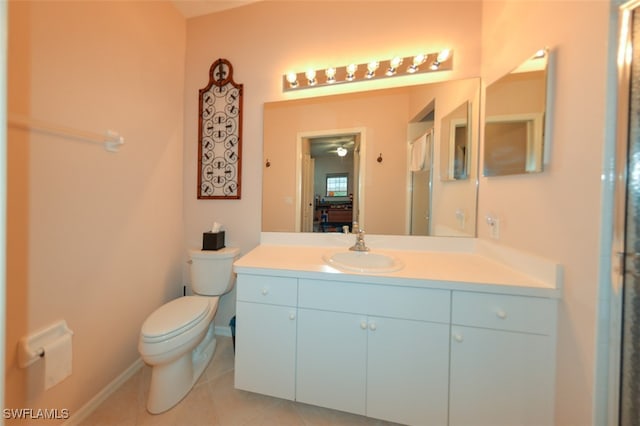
(220, 135)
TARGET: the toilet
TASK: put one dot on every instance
(178, 339)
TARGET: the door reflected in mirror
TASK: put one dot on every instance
(514, 128)
(330, 175)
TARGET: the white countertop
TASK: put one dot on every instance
(474, 266)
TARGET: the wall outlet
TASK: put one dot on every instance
(495, 229)
(494, 226)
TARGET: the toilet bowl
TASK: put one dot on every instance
(178, 339)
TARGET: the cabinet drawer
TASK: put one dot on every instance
(502, 312)
(267, 289)
(381, 300)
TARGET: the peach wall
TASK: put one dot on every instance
(557, 213)
(95, 237)
(3, 182)
(265, 40)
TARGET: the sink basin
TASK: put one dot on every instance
(363, 261)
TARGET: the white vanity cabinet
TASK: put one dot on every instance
(376, 350)
(461, 341)
(502, 360)
(265, 360)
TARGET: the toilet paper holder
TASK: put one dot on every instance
(31, 348)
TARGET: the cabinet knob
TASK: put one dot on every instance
(363, 324)
(292, 316)
(458, 337)
(373, 326)
(265, 291)
(501, 314)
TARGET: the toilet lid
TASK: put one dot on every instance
(175, 317)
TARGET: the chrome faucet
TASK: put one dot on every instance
(359, 245)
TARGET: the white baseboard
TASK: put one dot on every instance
(88, 408)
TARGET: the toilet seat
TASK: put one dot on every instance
(175, 318)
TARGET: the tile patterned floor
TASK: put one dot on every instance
(215, 402)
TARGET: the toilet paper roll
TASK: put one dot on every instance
(57, 360)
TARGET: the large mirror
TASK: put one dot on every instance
(514, 128)
(372, 158)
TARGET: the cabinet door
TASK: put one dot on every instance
(332, 360)
(500, 378)
(265, 349)
(407, 371)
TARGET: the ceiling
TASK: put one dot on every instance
(192, 8)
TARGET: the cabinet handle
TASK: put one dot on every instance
(501, 314)
(458, 337)
(363, 324)
(373, 326)
(292, 316)
(265, 291)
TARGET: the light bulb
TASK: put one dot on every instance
(331, 75)
(419, 59)
(393, 66)
(292, 78)
(351, 72)
(443, 55)
(371, 68)
(396, 62)
(341, 151)
(311, 77)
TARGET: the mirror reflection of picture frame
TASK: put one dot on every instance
(455, 144)
(513, 144)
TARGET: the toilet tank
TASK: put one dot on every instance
(212, 271)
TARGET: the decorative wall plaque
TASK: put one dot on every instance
(220, 135)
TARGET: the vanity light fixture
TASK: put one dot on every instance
(420, 63)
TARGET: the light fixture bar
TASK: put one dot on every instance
(395, 67)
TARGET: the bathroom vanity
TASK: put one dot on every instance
(460, 336)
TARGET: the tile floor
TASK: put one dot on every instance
(214, 402)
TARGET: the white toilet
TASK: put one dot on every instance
(178, 340)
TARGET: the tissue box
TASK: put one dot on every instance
(213, 240)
